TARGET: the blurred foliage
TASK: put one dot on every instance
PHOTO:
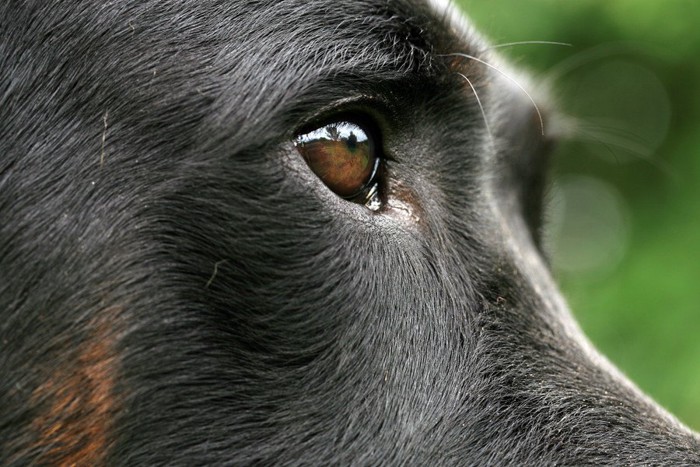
(631, 79)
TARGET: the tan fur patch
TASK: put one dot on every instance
(78, 404)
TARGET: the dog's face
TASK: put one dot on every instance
(286, 232)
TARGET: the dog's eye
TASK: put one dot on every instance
(344, 156)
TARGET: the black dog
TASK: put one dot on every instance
(285, 232)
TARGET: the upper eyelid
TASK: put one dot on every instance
(376, 108)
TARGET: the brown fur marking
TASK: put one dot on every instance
(78, 404)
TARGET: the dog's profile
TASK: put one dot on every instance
(286, 232)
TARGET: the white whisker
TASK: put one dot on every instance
(511, 44)
(587, 57)
(618, 139)
(481, 107)
(509, 78)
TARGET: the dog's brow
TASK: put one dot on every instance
(341, 51)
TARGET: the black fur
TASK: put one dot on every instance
(163, 243)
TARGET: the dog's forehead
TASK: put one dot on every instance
(350, 44)
(421, 30)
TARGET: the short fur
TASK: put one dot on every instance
(177, 287)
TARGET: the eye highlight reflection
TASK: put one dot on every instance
(344, 156)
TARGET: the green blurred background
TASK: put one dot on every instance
(624, 209)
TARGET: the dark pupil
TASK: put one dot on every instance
(341, 154)
(352, 142)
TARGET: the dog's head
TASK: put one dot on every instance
(284, 231)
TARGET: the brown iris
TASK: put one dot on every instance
(342, 155)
